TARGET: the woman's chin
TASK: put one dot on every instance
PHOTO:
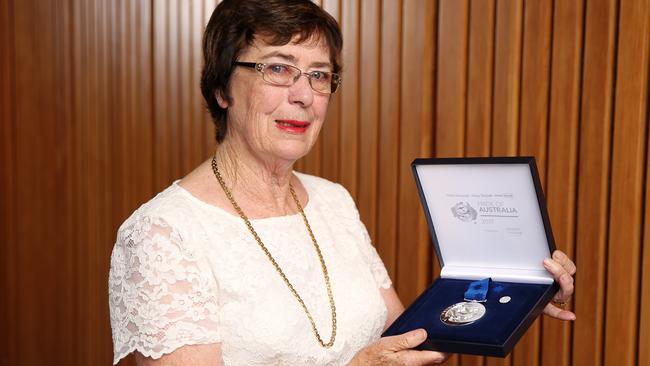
(291, 151)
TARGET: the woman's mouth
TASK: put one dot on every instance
(292, 126)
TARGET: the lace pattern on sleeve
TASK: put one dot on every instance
(161, 292)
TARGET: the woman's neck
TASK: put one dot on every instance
(256, 181)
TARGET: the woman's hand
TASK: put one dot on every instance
(398, 350)
(562, 269)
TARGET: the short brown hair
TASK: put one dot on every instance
(233, 27)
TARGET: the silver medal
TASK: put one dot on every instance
(462, 313)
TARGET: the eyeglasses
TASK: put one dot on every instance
(287, 75)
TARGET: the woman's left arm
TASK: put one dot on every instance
(562, 268)
(393, 305)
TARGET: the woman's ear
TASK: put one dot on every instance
(223, 103)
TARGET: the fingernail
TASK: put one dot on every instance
(422, 334)
(547, 261)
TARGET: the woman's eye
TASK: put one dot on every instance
(319, 75)
(278, 69)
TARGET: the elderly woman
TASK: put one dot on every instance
(245, 261)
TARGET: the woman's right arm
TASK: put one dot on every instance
(162, 297)
(196, 355)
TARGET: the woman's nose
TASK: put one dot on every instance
(301, 91)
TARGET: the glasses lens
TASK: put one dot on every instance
(280, 74)
(321, 81)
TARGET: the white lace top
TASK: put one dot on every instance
(185, 272)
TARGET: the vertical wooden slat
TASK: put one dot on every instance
(167, 129)
(143, 119)
(630, 124)
(536, 61)
(79, 36)
(67, 228)
(451, 80)
(369, 77)
(25, 192)
(593, 182)
(418, 53)
(8, 203)
(349, 154)
(186, 128)
(389, 134)
(643, 357)
(480, 77)
(507, 70)
(160, 66)
(330, 133)
(563, 147)
(202, 137)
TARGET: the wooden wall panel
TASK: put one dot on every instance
(507, 75)
(644, 317)
(389, 133)
(8, 202)
(349, 132)
(369, 76)
(117, 115)
(330, 134)
(451, 77)
(628, 182)
(593, 180)
(480, 78)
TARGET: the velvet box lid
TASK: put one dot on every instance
(487, 218)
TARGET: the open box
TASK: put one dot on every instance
(488, 219)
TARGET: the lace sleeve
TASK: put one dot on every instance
(371, 257)
(161, 293)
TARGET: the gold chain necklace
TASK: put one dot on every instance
(275, 264)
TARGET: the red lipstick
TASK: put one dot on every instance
(292, 126)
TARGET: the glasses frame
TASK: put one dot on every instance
(260, 66)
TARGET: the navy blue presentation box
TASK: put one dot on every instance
(488, 219)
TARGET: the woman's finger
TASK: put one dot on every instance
(556, 312)
(565, 261)
(562, 277)
(404, 341)
(420, 358)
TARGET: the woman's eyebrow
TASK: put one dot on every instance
(321, 64)
(292, 59)
(284, 56)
